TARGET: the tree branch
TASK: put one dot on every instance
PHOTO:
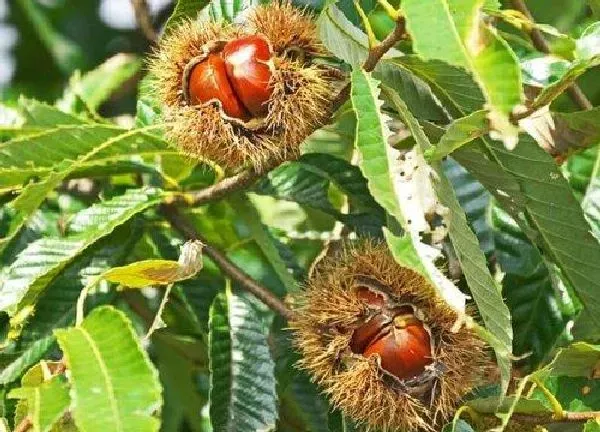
(187, 230)
(24, 425)
(223, 188)
(378, 51)
(144, 19)
(541, 44)
(568, 417)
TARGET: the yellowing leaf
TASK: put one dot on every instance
(159, 272)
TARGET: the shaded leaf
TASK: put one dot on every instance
(336, 138)
(309, 180)
(475, 201)
(264, 240)
(56, 306)
(577, 360)
(97, 85)
(34, 352)
(66, 53)
(451, 84)
(350, 44)
(41, 261)
(460, 132)
(228, 10)
(242, 386)
(548, 201)
(341, 37)
(533, 291)
(185, 9)
(524, 405)
(561, 133)
(587, 55)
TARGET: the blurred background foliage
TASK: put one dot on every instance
(43, 42)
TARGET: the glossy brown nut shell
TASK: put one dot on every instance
(208, 81)
(247, 61)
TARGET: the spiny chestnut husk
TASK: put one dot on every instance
(379, 341)
(244, 94)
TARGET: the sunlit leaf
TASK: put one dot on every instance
(461, 39)
(378, 163)
(114, 385)
(46, 402)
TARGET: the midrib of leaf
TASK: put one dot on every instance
(431, 82)
(13, 370)
(476, 60)
(329, 11)
(380, 196)
(466, 57)
(341, 28)
(47, 185)
(457, 36)
(567, 269)
(105, 376)
(83, 127)
(590, 204)
(228, 295)
(234, 407)
(76, 246)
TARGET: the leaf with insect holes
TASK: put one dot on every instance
(484, 289)
(379, 164)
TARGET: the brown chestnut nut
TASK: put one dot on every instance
(208, 81)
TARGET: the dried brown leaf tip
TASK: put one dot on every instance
(244, 94)
(378, 340)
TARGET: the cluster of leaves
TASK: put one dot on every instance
(160, 344)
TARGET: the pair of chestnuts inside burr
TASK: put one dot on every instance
(238, 77)
(394, 333)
